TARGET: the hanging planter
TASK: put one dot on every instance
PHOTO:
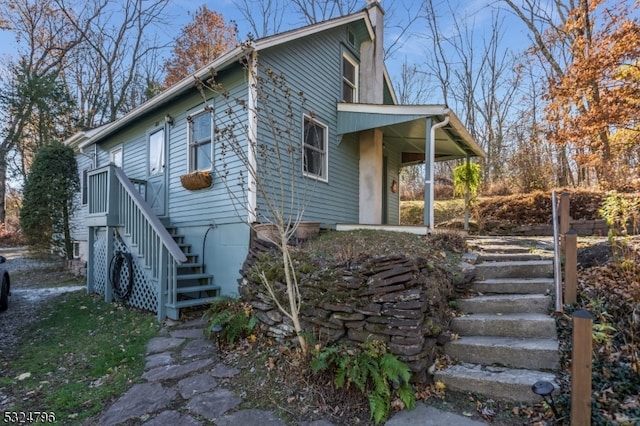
(196, 180)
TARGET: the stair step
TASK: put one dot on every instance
(506, 325)
(190, 265)
(514, 352)
(188, 277)
(506, 303)
(192, 302)
(494, 382)
(514, 285)
(515, 269)
(197, 288)
(506, 257)
(500, 248)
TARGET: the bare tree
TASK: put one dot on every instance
(474, 73)
(44, 42)
(271, 169)
(265, 17)
(118, 47)
(413, 85)
(314, 11)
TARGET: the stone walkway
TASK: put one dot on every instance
(186, 385)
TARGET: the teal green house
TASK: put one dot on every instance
(168, 200)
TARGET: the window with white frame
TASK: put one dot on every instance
(315, 149)
(200, 141)
(115, 156)
(156, 152)
(349, 79)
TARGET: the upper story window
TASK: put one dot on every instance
(349, 79)
(156, 152)
(315, 149)
(200, 141)
(351, 37)
(115, 156)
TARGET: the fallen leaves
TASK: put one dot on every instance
(23, 376)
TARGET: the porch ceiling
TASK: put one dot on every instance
(404, 127)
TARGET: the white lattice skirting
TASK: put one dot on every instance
(143, 294)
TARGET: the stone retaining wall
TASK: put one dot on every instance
(396, 299)
(583, 227)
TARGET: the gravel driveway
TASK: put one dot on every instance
(33, 281)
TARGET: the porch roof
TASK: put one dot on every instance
(404, 126)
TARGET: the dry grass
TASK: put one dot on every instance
(412, 212)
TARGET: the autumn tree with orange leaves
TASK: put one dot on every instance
(199, 43)
(597, 100)
(591, 54)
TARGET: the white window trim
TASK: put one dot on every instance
(356, 72)
(325, 165)
(190, 118)
(163, 147)
(114, 151)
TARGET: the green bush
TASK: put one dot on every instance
(373, 370)
(233, 316)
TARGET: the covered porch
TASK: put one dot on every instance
(413, 134)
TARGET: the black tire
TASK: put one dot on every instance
(4, 295)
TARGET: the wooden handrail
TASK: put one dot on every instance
(556, 255)
(148, 214)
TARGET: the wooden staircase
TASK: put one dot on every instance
(508, 340)
(194, 287)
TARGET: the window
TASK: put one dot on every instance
(156, 152)
(115, 156)
(200, 141)
(351, 37)
(349, 79)
(85, 186)
(315, 149)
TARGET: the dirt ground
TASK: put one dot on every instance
(33, 281)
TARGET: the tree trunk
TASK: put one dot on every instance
(3, 184)
(68, 243)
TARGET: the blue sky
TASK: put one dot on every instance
(180, 13)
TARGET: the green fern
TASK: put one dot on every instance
(233, 316)
(379, 407)
(372, 370)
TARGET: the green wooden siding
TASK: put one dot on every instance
(313, 65)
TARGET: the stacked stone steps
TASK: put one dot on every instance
(507, 340)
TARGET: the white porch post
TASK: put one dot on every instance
(429, 156)
(371, 177)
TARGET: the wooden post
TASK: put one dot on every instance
(581, 369)
(570, 266)
(563, 212)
